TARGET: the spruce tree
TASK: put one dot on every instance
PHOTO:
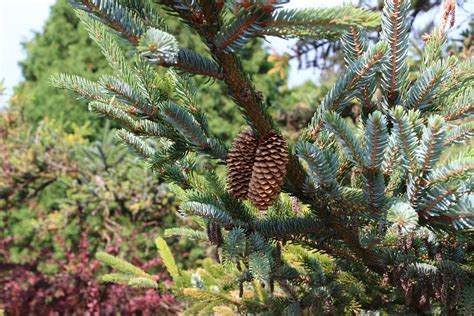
(348, 218)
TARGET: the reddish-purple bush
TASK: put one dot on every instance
(75, 289)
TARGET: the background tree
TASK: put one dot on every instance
(63, 44)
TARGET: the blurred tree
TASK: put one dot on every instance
(63, 45)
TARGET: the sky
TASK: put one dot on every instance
(19, 19)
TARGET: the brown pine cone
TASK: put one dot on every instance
(269, 169)
(239, 164)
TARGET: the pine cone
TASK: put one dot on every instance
(269, 169)
(239, 164)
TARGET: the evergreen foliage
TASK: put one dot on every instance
(370, 218)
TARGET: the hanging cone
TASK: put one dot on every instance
(268, 171)
(239, 164)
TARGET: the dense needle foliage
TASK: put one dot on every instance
(370, 217)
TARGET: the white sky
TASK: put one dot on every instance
(20, 18)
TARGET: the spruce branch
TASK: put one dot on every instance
(454, 170)
(145, 127)
(376, 140)
(185, 123)
(318, 22)
(147, 13)
(461, 214)
(143, 283)
(186, 233)
(460, 105)
(83, 88)
(241, 29)
(158, 47)
(117, 278)
(406, 135)
(109, 47)
(190, 61)
(323, 167)
(135, 144)
(211, 212)
(210, 296)
(247, 98)
(459, 134)
(395, 31)
(354, 44)
(335, 123)
(126, 94)
(423, 91)
(121, 265)
(152, 39)
(374, 188)
(344, 89)
(167, 257)
(431, 145)
(285, 228)
(115, 15)
(428, 153)
(114, 113)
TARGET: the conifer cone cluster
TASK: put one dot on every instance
(256, 170)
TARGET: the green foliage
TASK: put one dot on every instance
(319, 22)
(376, 218)
(62, 45)
(395, 32)
(76, 187)
(166, 256)
(120, 265)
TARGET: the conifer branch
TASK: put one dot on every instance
(114, 113)
(320, 22)
(406, 136)
(343, 89)
(135, 144)
(210, 296)
(395, 32)
(250, 102)
(121, 265)
(83, 88)
(459, 133)
(115, 15)
(351, 145)
(323, 169)
(126, 94)
(194, 63)
(428, 153)
(241, 29)
(167, 257)
(425, 88)
(376, 140)
(453, 171)
(431, 145)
